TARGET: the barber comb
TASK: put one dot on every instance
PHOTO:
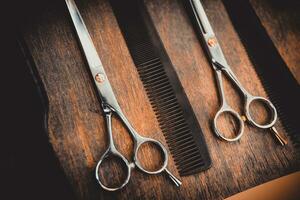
(173, 111)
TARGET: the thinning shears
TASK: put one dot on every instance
(110, 106)
(220, 66)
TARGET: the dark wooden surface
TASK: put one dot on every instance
(282, 22)
(76, 125)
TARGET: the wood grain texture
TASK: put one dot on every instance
(282, 22)
(76, 125)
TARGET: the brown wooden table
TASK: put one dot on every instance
(75, 123)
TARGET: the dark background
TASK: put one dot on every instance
(29, 169)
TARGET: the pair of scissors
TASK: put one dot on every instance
(219, 64)
(110, 106)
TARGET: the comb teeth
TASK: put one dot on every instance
(168, 113)
(170, 118)
(176, 119)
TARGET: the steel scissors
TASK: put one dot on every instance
(110, 106)
(219, 64)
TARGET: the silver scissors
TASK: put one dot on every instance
(110, 106)
(219, 64)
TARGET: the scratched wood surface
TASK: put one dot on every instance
(76, 126)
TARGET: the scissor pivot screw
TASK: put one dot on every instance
(244, 118)
(100, 78)
(212, 41)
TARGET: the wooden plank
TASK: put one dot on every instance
(238, 164)
(76, 126)
(282, 22)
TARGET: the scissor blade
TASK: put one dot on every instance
(95, 65)
(84, 37)
(210, 41)
(201, 17)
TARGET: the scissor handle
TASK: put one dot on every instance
(226, 109)
(143, 140)
(163, 168)
(109, 153)
(266, 102)
(139, 141)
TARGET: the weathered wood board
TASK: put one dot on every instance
(282, 21)
(76, 125)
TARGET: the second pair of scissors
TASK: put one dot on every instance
(220, 66)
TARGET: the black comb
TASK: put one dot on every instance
(168, 99)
